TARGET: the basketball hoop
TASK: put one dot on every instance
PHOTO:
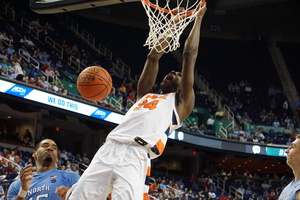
(167, 20)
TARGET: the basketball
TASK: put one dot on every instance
(94, 83)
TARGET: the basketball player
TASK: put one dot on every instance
(42, 181)
(292, 190)
(122, 164)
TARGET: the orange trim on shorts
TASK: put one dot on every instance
(160, 146)
(146, 196)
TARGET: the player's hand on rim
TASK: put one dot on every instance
(201, 10)
(178, 14)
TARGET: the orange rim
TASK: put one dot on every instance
(152, 5)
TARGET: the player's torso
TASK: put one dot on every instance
(44, 185)
(149, 118)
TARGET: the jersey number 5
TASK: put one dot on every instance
(145, 104)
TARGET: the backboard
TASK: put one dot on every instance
(58, 6)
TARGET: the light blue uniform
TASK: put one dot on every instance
(289, 192)
(44, 184)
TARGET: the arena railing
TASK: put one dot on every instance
(73, 61)
(8, 10)
(55, 46)
(234, 191)
(27, 24)
(26, 56)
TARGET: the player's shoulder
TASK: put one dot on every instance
(69, 174)
(15, 184)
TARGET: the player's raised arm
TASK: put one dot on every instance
(149, 73)
(151, 67)
(25, 180)
(190, 52)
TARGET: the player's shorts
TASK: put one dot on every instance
(117, 168)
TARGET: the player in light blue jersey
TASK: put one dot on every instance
(292, 190)
(44, 181)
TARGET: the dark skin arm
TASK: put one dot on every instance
(186, 96)
(185, 103)
(149, 73)
(151, 67)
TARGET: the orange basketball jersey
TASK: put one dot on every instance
(152, 119)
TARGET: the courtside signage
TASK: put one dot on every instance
(59, 102)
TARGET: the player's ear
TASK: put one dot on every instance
(34, 155)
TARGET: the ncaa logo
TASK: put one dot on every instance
(20, 90)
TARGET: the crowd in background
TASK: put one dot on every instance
(164, 184)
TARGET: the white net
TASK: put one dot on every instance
(167, 21)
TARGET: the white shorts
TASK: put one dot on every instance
(117, 168)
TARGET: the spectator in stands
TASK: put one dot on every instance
(49, 72)
(3, 53)
(265, 185)
(276, 123)
(4, 65)
(5, 153)
(219, 114)
(209, 124)
(260, 136)
(18, 152)
(234, 134)
(44, 83)
(12, 155)
(24, 41)
(9, 74)
(85, 159)
(3, 37)
(46, 157)
(65, 92)
(30, 43)
(9, 166)
(18, 71)
(248, 90)
(12, 175)
(59, 65)
(47, 28)
(194, 128)
(237, 88)
(162, 185)
(223, 197)
(36, 25)
(28, 162)
(63, 155)
(211, 194)
(27, 139)
(241, 189)
(32, 81)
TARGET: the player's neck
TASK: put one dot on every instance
(45, 168)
